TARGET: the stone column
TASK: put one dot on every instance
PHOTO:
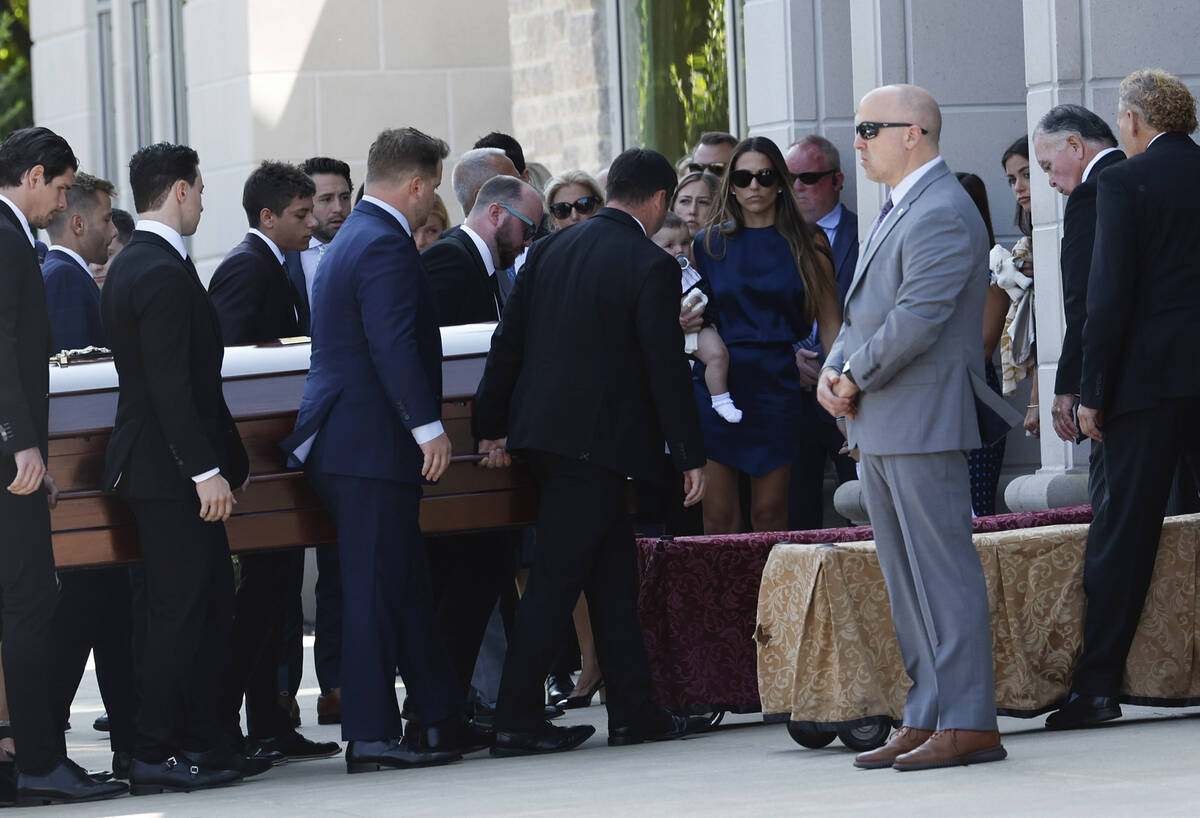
(1078, 51)
(798, 75)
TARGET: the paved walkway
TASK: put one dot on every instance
(1147, 764)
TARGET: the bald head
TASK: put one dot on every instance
(911, 137)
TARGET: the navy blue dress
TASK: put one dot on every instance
(756, 299)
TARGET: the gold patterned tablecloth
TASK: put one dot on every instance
(827, 651)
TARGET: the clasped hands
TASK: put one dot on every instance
(837, 394)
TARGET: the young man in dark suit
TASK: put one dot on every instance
(79, 236)
(331, 206)
(603, 299)
(369, 431)
(36, 168)
(1140, 387)
(95, 606)
(255, 303)
(173, 456)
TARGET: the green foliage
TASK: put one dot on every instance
(16, 88)
(683, 78)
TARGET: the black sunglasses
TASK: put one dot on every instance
(766, 177)
(870, 130)
(584, 206)
(811, 177)
(712, 167)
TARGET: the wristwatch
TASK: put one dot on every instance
(849, 375)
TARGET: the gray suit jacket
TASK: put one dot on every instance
(912, 329)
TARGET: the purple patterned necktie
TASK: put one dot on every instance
(883, 211)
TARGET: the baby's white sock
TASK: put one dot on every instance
(722, 404)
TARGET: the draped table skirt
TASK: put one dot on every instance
(828, 655)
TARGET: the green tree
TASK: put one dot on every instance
(16, 88)
(683, 81)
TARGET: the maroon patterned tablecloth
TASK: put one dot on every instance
(698, 605)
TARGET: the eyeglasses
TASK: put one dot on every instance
(811, 177)
(530, 227)
(584, 206)
(766, 177)
(870, 130)
(712, 167)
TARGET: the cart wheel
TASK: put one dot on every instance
(715, 718)
(866, 736)
(809, 737)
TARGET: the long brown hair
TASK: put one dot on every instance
(728, 220)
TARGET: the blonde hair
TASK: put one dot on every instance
(573, 177)
(1161, 99)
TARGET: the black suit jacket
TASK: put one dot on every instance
(588, 360)
(254, 299)
(172, 422)
(464, 291)
(1143, 302)
(1075, 259)
(295, 275)
(25, 345)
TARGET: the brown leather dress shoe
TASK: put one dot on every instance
(953, 748)
(329, 707)
(901, 741)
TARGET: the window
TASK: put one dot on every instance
(179, 95)
(141, 72)
(108, 100)
(675, 58)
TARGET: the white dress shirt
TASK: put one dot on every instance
(20, 217)
(426, 433)
(909, 182)
(78, 259)
(484, 252)
(270, 243)
(309, 259)
(1088, 170)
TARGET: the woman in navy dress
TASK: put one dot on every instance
(768, 278)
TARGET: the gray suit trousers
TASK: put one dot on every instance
(920, 506)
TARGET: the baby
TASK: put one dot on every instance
(706, 345)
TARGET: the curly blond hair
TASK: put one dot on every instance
(1161, 98)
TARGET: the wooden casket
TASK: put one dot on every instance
(279, 509)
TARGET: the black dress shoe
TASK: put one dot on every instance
(666, 727)
(176, 774)
(67, 783)
(1084, 711)
(222, 759)
(255, 750)
(558, 688)
(543, 739)
(455, 735)
(398, 754)
(296, 747)
(553, 711)
(100, 725)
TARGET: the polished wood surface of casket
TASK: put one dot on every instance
(263, 386)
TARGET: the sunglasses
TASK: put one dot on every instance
(584, 206)
(712, 167)
(811, 177)
(870, 130)
(766, 177)
(530, 227)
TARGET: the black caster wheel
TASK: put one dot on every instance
(807, 736)
(866, 736)
(715, 718)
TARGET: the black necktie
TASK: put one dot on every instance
(495, 285)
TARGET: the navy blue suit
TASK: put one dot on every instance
(845, 251)
(73, 301)
(374, 376)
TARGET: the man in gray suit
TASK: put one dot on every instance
(906, 371)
